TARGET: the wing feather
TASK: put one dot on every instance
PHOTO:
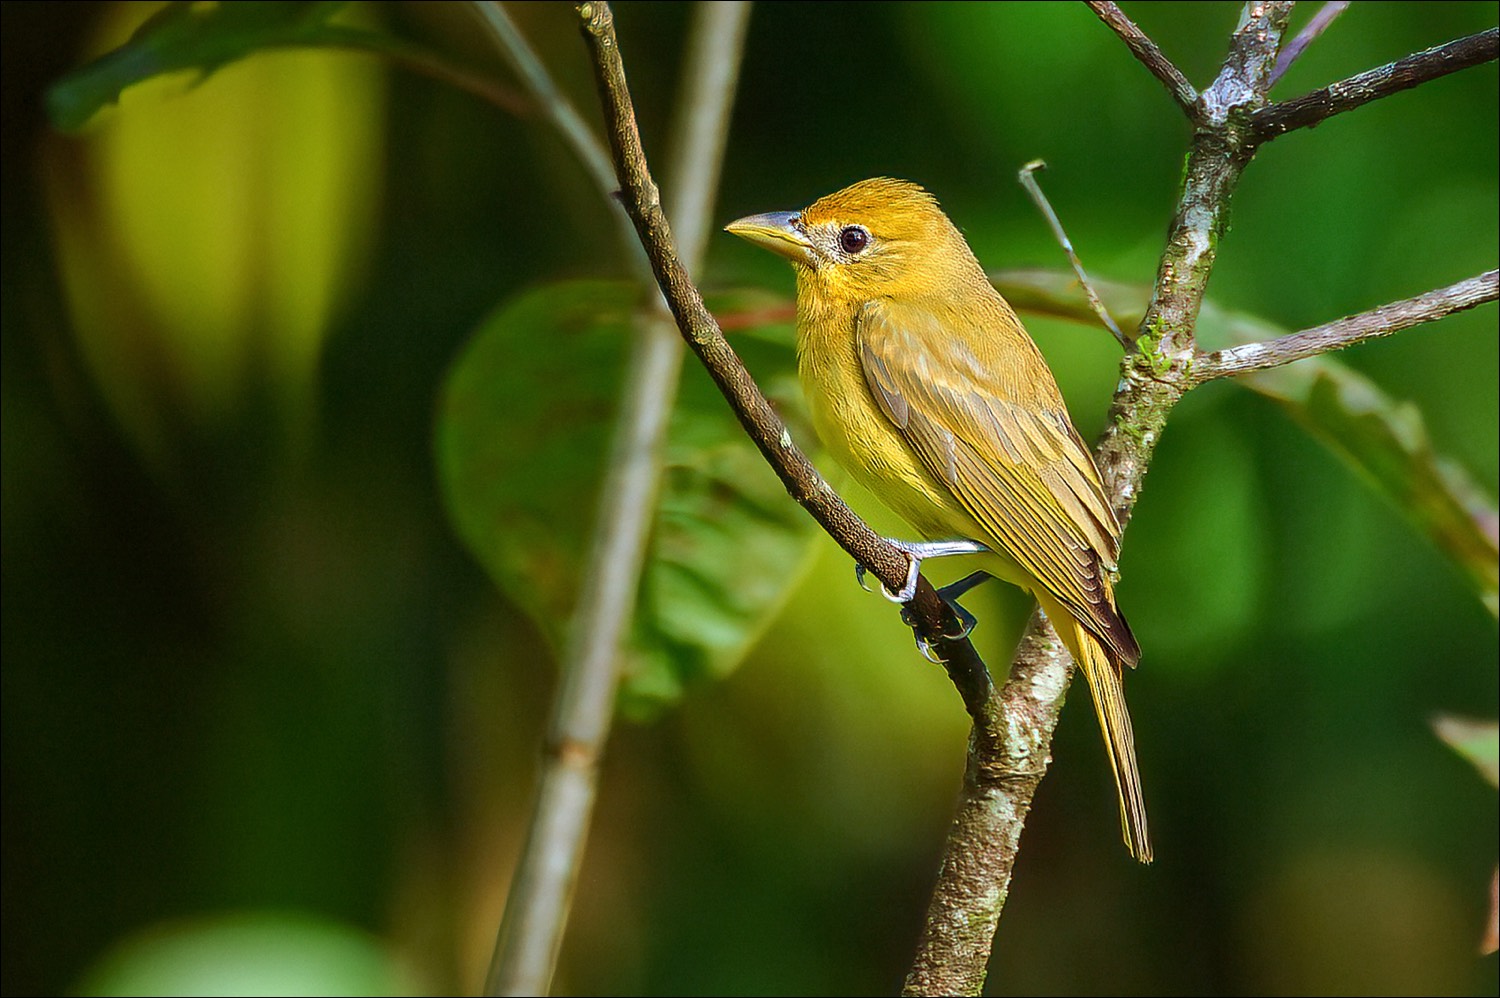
(1024, 475)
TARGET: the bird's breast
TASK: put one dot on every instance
(860, 436)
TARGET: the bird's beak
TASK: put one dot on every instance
(778, 231)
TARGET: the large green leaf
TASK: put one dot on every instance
(522, 436)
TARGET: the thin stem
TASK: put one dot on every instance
(1403, 74)
(1028, 181)
(695, 161)
(1293, 50)
(1346, 332)
(563, 116)
(536, 913)
(1152, 57)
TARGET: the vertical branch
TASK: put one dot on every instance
(1159, 372)
(1001, 777)
(537, 909)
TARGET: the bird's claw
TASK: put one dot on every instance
(907, 591)
(929, 654)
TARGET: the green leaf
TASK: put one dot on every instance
(1476, 741)
(1383, 438)
(203, 37)
(522, 437)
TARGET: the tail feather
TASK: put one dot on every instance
(1108, 691)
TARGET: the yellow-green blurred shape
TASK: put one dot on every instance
(208, 230)
(248, 953)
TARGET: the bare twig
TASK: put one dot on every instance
(1293, 50)
(1039, 199)
(536, 912)
(1403, 74)
(1217, 159)
(701, 129)
(991, 812)
(564, 117)
(1150, 56)
(1346, 332)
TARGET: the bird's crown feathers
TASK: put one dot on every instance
(880, 202)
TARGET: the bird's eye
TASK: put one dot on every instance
(853, 239)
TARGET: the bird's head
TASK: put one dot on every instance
(876, 238)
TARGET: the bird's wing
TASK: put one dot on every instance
(1024, 475)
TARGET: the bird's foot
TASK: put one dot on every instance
(918, 552)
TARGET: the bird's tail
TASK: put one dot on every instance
(1104, 678)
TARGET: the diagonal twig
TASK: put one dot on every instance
(1403, 74)
(1039, 199)
(1292, 51)
(1152, 57)
(1346, 332)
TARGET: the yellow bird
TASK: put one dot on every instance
(925, 386)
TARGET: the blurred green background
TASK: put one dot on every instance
(257, 696)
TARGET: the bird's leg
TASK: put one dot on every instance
(918, 552)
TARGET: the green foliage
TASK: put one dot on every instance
(522, 439)
(1386, 440)
(247, 953)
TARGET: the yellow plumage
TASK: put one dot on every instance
(924, 385)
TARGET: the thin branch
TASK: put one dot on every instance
(1346, 332)
(1039, 199)
(1216, 160)
(536, 912)
(701, 131)
(564, 117)
(1152, 57)
(1293, 50)
(1403, 74)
